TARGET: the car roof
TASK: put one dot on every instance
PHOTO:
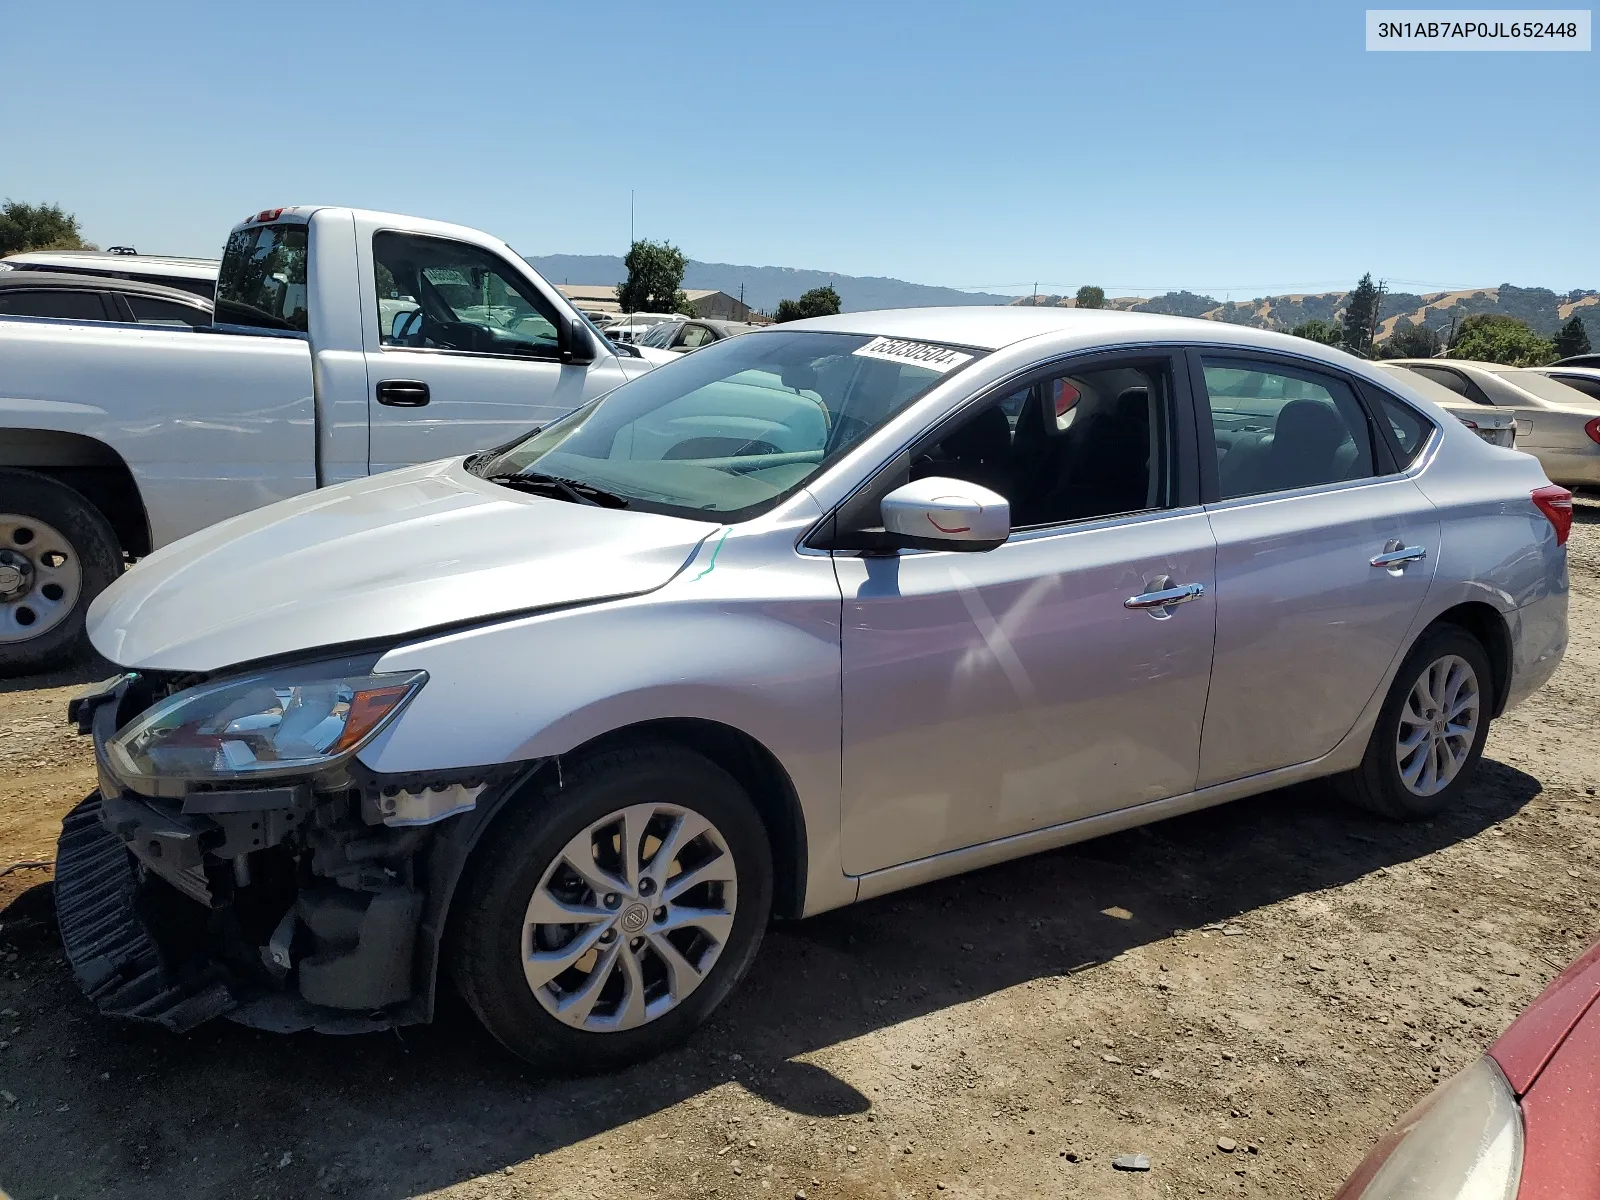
(154, 264)
(64, 281)
(993, 327)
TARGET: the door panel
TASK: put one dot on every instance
(1306, 626)
(991, 694)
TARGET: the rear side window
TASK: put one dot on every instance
(53, 302)
(1454, 380)
(263, 278)
(1410, 428)
(149, 310)
(1278, 429)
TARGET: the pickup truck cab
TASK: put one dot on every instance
(345, 343)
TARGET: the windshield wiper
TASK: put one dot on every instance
(565, 489)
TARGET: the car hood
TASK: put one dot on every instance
(378, 558)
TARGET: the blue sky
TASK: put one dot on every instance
(1229, 148)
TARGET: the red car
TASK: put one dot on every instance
(1521, 1123)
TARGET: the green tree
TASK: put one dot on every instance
(1572, 338)
(818, 302)
(1315, 330)
(38, 227)
(1360, 323)
(1090, 296)
(655, 279)
(1410, 341)
(1492, 337)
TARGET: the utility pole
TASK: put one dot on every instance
(1033, 296)
(1377, 315)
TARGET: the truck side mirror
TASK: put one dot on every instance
(577, 346)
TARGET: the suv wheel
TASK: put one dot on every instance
(608, 917)
(1430, 732)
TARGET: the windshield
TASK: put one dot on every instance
(660, 336)
(735, 427)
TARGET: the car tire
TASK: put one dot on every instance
(57, 553)
(1393, 782)
(499, 951)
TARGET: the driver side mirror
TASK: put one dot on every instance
(938, 513)
(577, 347)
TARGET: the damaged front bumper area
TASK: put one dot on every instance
(312, 903)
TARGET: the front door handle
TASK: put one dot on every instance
(1164, 598)
(1397, 554)
(402, 393)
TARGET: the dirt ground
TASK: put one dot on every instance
(1279, 976)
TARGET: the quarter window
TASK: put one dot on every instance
(1410, 428)
(1072, 447)
(1278, 429)
(148, 310)
(443, 295)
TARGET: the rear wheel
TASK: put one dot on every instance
(615, 909)
(57, 553)
(1430, 731)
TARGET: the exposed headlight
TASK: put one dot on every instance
(261, 725)
(1464, 1142)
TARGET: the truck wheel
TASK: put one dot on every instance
(1430, 731)
(610, 913)
(57, 553)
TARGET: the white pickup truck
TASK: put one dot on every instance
(346, 343)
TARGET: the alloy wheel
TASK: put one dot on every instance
(629, 918)
(1438, 725)
(40, 577)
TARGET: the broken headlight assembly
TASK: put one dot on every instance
(291, 721)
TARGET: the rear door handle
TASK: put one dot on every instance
(402, 393)
(1399, 555)
(1167, 597)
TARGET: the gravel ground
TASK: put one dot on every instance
(1247, 996)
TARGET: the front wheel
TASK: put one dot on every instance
(1430, 731)
(614, 909)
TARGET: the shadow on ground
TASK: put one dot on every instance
(443, 1104)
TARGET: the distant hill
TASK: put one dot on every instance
(1544, 310)
(765, 286)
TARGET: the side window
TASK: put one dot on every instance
(694, 336)
(148, 310)
(1278, 429)
(1073, 447)
(443, 295)
(1410, 428)
(53, 302)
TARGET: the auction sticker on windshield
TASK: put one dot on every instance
(921, 354)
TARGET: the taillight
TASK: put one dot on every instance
(1593, 430)
(267, 214)
(1555, 502)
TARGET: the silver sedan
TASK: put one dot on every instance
(1557, 423)
(808, 616)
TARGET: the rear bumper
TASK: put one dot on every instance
(1579, 467)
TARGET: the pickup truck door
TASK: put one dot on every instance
(462, 350)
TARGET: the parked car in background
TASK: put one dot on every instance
(691, 335)
(1520, 1123)
(1583, 379)
(1579, 360)
(1495, 426)
(631, 327)
(805, 617)
(99, 298)
(1557, 424)
(116, 440)
(197, 276)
